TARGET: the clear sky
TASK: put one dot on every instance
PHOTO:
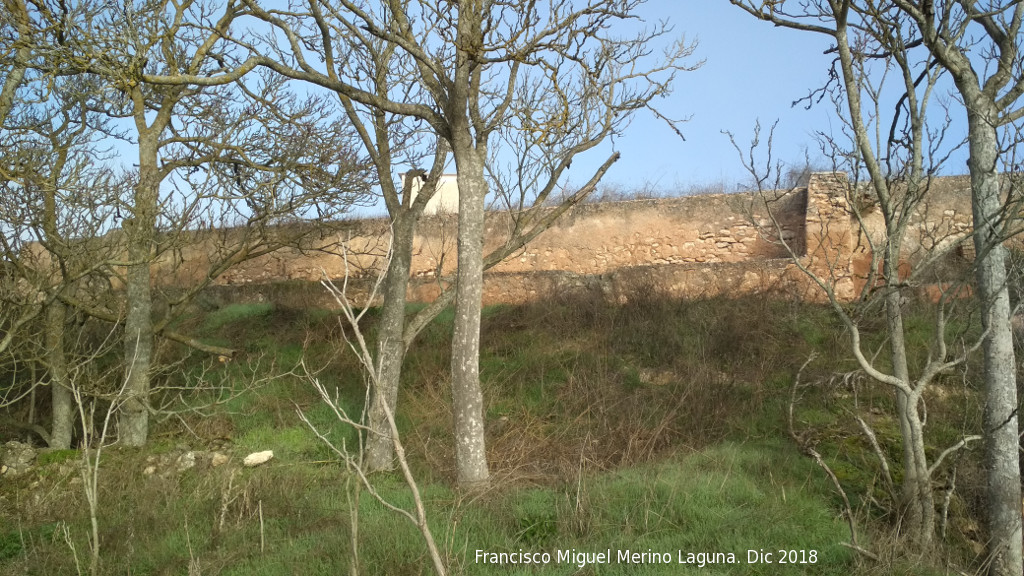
(752, 71)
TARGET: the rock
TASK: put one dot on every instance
(185, 461)
(218, 459)
(257, 458)
(174, 462)
(17, 457)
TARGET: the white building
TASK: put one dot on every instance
(446, 198)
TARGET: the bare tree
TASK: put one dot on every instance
(247, 150)
(130, 38)
(896, 154)
(953, 33)
(469, 66)
(373, 368)
(978, 45)
(67, 190)
(55, 185)
(389, 137)
(95, 436)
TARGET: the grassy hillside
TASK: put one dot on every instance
(657, 426)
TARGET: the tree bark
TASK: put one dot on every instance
(380, 451)
(60, 386)
(133, 417)
(467, 396)
(1002, 460)
(917, 500)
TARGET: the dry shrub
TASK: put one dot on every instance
(614, 423)
(575, 381)
(212, 428)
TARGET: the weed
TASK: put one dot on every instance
(233, 313)
(53, 457)
(651, 425)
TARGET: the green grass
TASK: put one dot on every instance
(50, 457)
(655, 425)
(730, 499)
(233, 313)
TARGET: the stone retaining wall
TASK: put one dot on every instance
(692, 246)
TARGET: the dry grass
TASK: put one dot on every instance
(579, 393)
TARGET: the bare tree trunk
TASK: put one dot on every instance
(380, 451)
(467, 397)
(133, 419)
(60, 387)
(1002, 461)
(917, 500)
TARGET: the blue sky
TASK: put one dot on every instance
(752, 71)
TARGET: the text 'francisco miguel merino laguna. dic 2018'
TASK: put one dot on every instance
(699, 559)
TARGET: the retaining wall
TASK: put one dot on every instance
(691, 246)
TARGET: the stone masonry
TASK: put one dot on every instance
(691, 246)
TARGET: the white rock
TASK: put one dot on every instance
(17, 457)
(257, 458)
(186, 461)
